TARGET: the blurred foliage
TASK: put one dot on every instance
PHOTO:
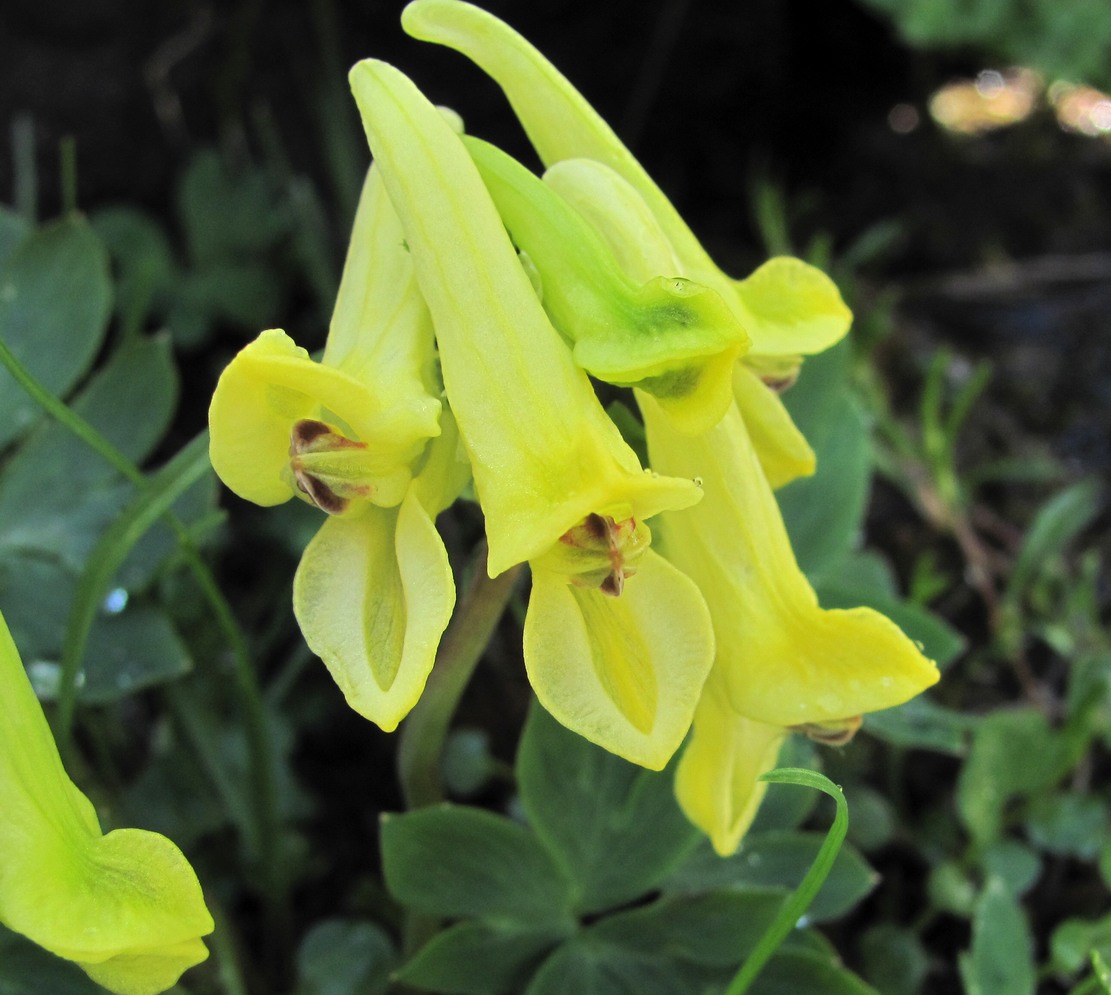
(1062, 40)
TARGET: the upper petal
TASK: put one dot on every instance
(791, 308)
(271, 384)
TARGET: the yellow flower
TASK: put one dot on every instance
(126, 906)
(787, 308)
(374, 591)
(668, 336)
(617, 642)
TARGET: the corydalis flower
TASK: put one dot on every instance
(617, 642)
(351, 435)
(782, 661)
(670, 337)
(562, 125)
(126, 906)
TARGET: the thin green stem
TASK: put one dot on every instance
(808, 888)
(68, 154)
(226, 949)
(425, 730)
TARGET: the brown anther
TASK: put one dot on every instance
(310, 436)
(779, 384)
(836, 733)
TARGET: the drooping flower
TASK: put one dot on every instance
(787, 308)
(361, 435)
(782, 662)
(666, 335)
(617, 641)
(126, 906)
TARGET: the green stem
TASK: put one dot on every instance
(425, 730)
(250, 696)
(67, 151)
(803, 895)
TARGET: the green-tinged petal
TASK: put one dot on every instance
(373, 594)
(624, 672)
(784, 452)
(381, 333)
(127, 906)
(669, 336)
(543, 452)
(272, 384)
(562, 125)
(716, 782)
(618, 213)
(783, 659)
(791, 308)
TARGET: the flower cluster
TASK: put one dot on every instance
(477, 300)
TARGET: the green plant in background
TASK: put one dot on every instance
(1062, 40)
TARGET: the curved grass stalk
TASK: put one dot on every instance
(808, 888)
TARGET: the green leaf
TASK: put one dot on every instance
(143, 258)
(13, 230)
(129, 652)
(113, 547)
(591, 968)
(922, 724)
(1014, 754)
(27, 969)
(824, 513)
(793, 972)
(56, 493)
(36, 592)
(1074, 938)
(1068, 824)
(1057, 523)
(55, 297)
(781, 859)
(614, 827)
(227, 213)
(456, 861)
(1002, 955)
(718, 929)
(345, 957)
(1015, 864)
(894, 959)
(480, 958)
(1101, 971)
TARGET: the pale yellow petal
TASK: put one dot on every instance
(373, 594)
(784, 453)
(791, 308)
(624, 672)
(783, 659)
(716, 781)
